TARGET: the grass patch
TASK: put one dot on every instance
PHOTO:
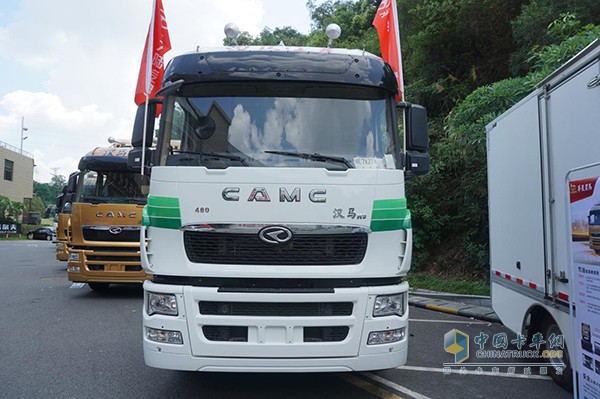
(455, 286)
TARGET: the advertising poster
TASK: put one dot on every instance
(585, 232)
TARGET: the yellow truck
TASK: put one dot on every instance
(594, 228)
(105, 220)
(63, 218)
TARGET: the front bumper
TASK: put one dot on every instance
(275, 343)
(91, 266)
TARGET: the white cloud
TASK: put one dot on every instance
(79, 61)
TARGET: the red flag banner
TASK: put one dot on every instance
(581, 189)
(152, 68)
(386, 23)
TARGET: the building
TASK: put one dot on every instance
(16, 173)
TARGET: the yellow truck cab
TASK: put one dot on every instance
(105, 220)
(63, 218)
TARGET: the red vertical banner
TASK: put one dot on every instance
(152, 67)
(386, 23)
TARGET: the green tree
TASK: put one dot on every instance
(452, 229)
(48, 192)
(10, 210)
(452, 47)
(530, 27)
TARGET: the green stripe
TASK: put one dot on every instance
(390, 214)
(165, 223)
(169, 202)
(162, 212)
(390, 203)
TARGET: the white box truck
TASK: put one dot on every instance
(531, 148)
(277, 229)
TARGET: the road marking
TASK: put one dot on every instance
(77, 285)
(473, 372)
(395, 386)
(367, 386)
(444, 309)
(451, 321)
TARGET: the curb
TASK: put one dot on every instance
(457, 308)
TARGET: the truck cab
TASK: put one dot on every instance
(105, 220)
(277, 229)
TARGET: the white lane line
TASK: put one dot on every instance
(451, 321)
(473, 372)
(395, 386)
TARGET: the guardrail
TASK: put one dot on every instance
(15, 149)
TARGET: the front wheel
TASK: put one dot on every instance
(564, 379)
(99, 287)
(48, 238)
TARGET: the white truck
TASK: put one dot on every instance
(277, 230)
(531, 149)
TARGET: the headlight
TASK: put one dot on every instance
(162, 304)
(164, 336)
(386, 337)
(74, 256)
(387, 305)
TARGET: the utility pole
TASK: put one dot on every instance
(23, 129)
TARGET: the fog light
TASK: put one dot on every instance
(74, 256)
(164, 336)
(73, 269)
(386, 337)
(388, 305)
(162, 304)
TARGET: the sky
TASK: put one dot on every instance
(69, 67)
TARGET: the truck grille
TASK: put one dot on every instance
(240, 334)
(248, 249)
(116, 234)
(297, 309)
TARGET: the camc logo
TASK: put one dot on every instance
(457, 343)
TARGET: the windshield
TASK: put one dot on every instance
(111, 187)
(334, 133)
(594, 218)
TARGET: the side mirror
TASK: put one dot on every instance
(59, 201)
(72, 183)
(137, 136)
(417, 140)
(417, 137)
(417, 163)
(206, 127)
(134, 159)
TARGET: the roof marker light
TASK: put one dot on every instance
(333, 31)
(232, 31)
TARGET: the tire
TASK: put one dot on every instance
(48, 238)
(99, 287)
(30, 236)
(564, 380)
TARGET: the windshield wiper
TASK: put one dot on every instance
(231, 157)
(313, 157)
